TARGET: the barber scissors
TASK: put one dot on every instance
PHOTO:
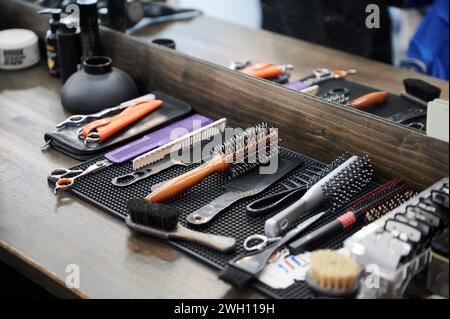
(78, 120)
(262, 241)
(65, 178)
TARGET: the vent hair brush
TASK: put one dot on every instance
(367, 209)
(337, 188)
(248, 150)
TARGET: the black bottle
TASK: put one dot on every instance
(90, 39)
(51, 43)
(69, 50)
(117, 14)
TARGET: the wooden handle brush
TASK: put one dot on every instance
(234, 156)
(161, 221)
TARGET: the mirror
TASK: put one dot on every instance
(353, 53)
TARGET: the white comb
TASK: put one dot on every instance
(188, 140)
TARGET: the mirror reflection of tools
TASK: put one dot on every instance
(264, 70)
(365, 102)
(319, 76)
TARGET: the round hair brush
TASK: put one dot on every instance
(238, 155)
(337, 187)
(367, 209)
(162, 222)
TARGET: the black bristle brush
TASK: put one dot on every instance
(338, 185)
(367, 209)
(238, 155)
(420, 91)
(161, 221)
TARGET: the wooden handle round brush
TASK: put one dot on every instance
(182, 183)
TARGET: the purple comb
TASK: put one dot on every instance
(158, 138)
(297, 85)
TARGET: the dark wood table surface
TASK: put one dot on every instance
(40, 235)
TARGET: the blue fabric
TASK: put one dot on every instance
(430, 44)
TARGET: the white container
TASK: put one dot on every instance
(18, 49)
(438, 120)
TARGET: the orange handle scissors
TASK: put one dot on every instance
(266, 70)
(103, 129)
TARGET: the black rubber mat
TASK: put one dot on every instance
(98, 190)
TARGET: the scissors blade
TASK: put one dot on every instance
(309, 221)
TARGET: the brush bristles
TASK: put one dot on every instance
(254, 147)
(381, 200)
(235, 276)
(378, 212)
(327, 170)
(350, 182)
(154, 215)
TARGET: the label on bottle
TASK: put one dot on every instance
(19, 58)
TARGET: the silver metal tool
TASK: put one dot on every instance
(78, 120)
(134, 177)
(321, 75)
(262, 241)
(65, 178)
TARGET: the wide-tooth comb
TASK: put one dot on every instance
(237, 155)
(350, 182)
(183, 142)
(157, 138)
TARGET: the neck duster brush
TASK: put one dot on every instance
(337, 187)
(161, 221)
(366, 209)
(254, 147)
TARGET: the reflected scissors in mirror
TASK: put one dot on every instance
(262, 241)
(65, 178)
(319, 76)
(78, 120)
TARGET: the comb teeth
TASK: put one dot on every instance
(349, 182)
(248, 150)
(184, 142)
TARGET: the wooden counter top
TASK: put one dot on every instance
(41, 235)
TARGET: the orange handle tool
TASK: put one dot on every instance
(264, 70)
(110, 126)
(367, 101)
(182, 183)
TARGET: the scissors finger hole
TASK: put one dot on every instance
(65, 182)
